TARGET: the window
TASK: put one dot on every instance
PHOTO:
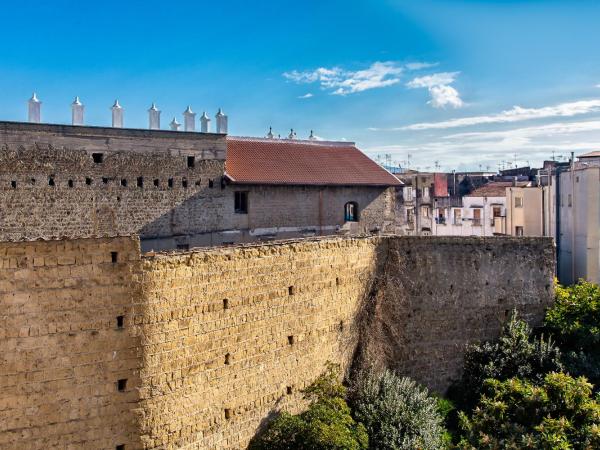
(408, 194)
(120, 321)
(518, 231)
(191, 162)
(98, 158)
(477, 217)
(425, 192)
(410, 216)
(351, 212)
(518, 202)
(441, 217)
(496, 211)
(425, 211)
(122, 385)
(458, 216)
(241, 202)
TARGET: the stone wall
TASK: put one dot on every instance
(216, 341)
(62, 349)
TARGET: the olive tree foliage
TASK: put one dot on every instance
(326, 425)
(397, 413)
(559, 414)
(574, 322)
(517, 353)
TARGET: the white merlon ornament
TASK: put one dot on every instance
(117, 115)
(270, 133)
(292, 134)
(154, 117)
(174, 124)
(77, 110)
(34, 110)
(221, 122)
(204, 123)
(189, 119)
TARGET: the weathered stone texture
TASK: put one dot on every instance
(61, 350)
(232, 328)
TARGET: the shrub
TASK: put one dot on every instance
(515, 354)
(516, 414)
(327, 423)
(397, 412)
(574, 321)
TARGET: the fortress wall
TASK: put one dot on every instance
(61, 350)
(439, 293)
(411, 303)
(289, 309)
(51, 187)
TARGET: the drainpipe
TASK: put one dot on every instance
(574, 216)
(321, 212)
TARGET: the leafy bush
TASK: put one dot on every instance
(515, 354)
(574, 320)
(397, 412)
(515, 414)
(327, 423)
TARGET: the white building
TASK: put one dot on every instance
(578, 220)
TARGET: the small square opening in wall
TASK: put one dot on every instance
(337, 281)
(211, 184)
(225, 303)
(105, 180)
(184, 183)
(98, 158)
(291, 340)
(114, 257)
(140, 182)
(51, 181)
(191, 162)
(122, 384)
(170, 182)
(292, 290)
(227, 413)
(120, 447)
(227, 359)
(156, 182)
(289, 390)
(124, 182)
(70, 183)
(88, 181)
(33, 181)
(13, 184)
(120, 321)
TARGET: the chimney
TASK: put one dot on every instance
(292, 134)
(77, 112)
(189, 119)
(312, 136)
(35, 107)
(221, 122)
(117, 115)
(205, 123)
(154, 117)
(174, 124)
(270, 133)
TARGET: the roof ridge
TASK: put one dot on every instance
(291, 141)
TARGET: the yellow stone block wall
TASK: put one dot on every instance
(61, 352)
(279, 312)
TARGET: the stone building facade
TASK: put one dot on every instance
(171, 188)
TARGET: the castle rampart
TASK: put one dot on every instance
(211, 342)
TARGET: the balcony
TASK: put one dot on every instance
(440, 220)
(476, 222)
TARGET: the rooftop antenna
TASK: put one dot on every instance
(437, 165)
(312, 136)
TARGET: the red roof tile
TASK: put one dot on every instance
(594, 154)
(280, 161)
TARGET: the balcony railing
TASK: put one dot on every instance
(476, 222)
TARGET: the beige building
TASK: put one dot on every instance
(578, 236)
(528, 211)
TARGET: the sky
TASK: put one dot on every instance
(434, 84)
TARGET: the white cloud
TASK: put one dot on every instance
(549, 130)
(515, 114)
(344, 82)
(438, 84)
(307, 95)
(420, 65)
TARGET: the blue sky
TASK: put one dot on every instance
(466, 83)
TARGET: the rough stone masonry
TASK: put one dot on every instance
(106, 348)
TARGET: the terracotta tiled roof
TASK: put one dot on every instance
(282, 161)
(495, 189)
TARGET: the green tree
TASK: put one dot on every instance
(327, 423)
(558, 414)
(574, 321)
(397, 412)
(515, 354)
